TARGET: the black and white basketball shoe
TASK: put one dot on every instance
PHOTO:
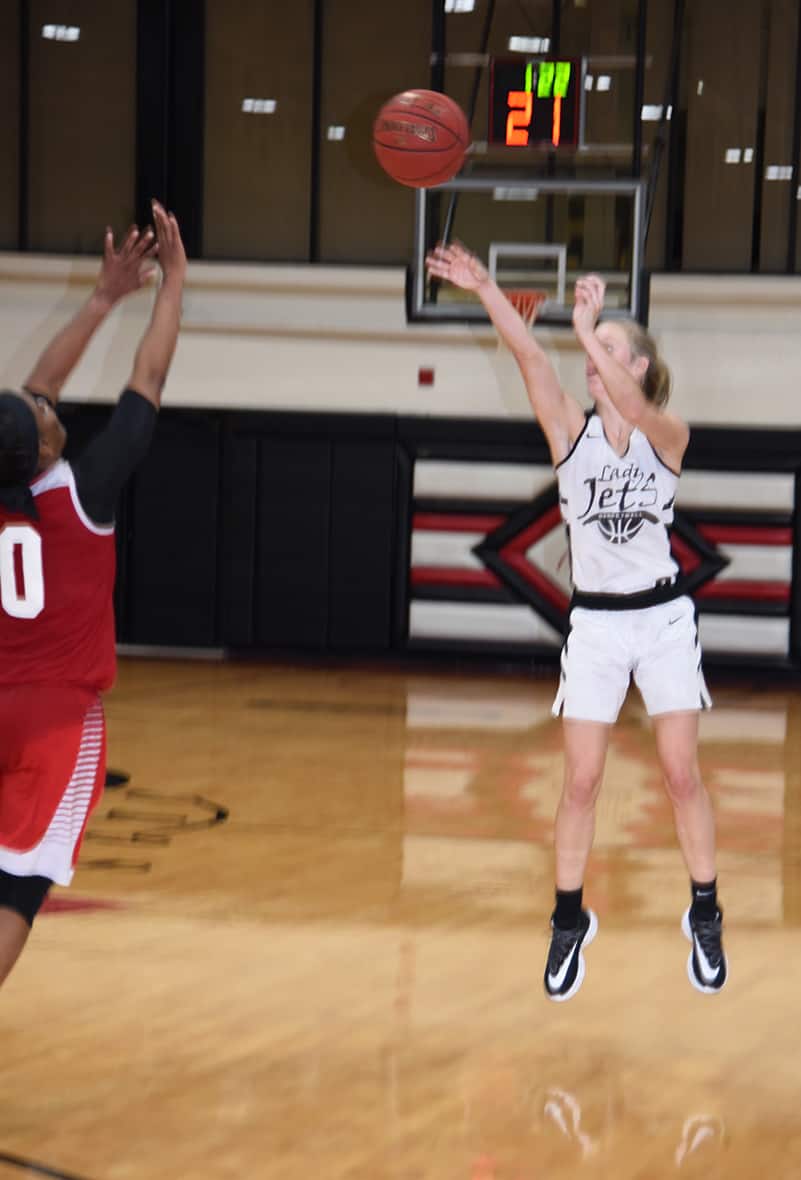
(706, 967)
(565, 969)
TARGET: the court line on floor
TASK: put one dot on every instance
(35, 1169)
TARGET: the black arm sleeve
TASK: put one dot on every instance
(110, 458)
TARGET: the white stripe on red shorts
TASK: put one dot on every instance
(54, 855)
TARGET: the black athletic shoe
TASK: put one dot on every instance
(706, 966)
(564, 971)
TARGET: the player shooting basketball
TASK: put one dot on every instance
(618, 471)
(57, 567)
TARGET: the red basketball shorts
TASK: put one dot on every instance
(52, 773)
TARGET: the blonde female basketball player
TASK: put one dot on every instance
(618, 470)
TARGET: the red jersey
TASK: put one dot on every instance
(56, 586)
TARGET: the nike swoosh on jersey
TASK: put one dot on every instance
(556, 981)
(708, 973)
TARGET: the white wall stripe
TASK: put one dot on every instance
(479, 621)
(489, 622)
(446, 549)
(744, 635)
(480, 481)
(768, 563)
(766, 491)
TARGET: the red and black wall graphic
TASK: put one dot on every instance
(487, 571)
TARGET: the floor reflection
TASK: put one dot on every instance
(492, 772)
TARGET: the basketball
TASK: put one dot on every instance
(420, 138)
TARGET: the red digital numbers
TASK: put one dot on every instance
(521, 108)
(548, 83)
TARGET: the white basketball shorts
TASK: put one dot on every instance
(657, 645)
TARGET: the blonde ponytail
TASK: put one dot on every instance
(657, 380)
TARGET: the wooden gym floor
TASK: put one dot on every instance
(342, 979)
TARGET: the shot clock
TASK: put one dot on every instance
(535, 102)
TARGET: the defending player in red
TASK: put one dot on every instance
(57, 568)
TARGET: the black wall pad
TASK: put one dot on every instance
(172, 578)
(362, 530)
(237, 572)
(292, 542)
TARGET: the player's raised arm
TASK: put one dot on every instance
(155, 352)
(559, 415)
(667, 433)
(122, 272)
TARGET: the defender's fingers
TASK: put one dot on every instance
(162, 224)
(129, 241)
(144, 244)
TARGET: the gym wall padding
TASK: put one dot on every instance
(356, 533)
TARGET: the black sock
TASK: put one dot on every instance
(705, 900)
(568, 908)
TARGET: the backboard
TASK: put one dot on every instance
(532, 233)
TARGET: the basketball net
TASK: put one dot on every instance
(527, 302)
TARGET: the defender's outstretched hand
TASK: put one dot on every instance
(155, 352)
(122, 272)
(458, 266)
(172, 255)
(128, 269)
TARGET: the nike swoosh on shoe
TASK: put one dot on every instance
(556, 981)
(708, 973)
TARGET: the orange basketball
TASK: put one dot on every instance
(420, 137)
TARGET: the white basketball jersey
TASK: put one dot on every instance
(618, 512)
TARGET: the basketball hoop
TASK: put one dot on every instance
(526, 301)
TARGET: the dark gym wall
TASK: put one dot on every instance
(148, 101)
(368, 52)
(257, 186)
(82, 124)
(605, 31)
(776, 115)
(660, 33)
(9, 125)
(723, 46)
